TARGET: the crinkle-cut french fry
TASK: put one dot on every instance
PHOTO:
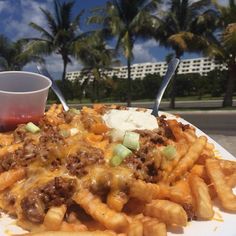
(208, 151)
(202, 159)
(10, 149)
(180, 193)
(231, 180)
(52, 114)
(134, 206)
(72, 218)
(61, 233)
(148, 191)
(6, 139)
(54, 110)
(100, 211)
(9, 177)
(204, 207)
(224, 192)
(73, 227)
(176, 129)
(153, 228)
(189, 159)
(200, 171)
(228, 167)
(135, 228)
(190, 135)
(210, 146)
(54, 217)
(141, 217)
(168, 165)
(166, 211)
(116, 200)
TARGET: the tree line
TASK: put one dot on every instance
(115, 89)
(201, 26)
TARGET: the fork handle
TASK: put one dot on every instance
(172, 66)
(43, 70)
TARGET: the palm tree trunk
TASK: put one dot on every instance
(129, 91)
(93, 98)
(98, 85)
(65, 62)
(228, 98)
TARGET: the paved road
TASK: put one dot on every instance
(196, 104)
(179, 104)
(214, 122)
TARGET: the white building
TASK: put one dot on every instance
(139, 71)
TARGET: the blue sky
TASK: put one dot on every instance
(16, 14)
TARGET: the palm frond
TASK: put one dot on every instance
(74, 25)
(95, 19)
(57, 10)
(5, 45)
(149, 5)
(3, 64)
(116, 8)
(50, 20)
(40, 29)
(39, 48)
(65, 13)
(214, 51)
(200, 4)
(229, 38)
(187, 41)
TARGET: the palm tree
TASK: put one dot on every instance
(187, 26)
(224, 49)
(125, 20)
(97, 59)
(62, 33)
(12, 55)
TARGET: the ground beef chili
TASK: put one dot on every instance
(164, 128)
(19, 134)
(21, 157)
(39, 200)
(155, 136)
(77, 163)
(66, 116)
(143, 163)
(51, 134)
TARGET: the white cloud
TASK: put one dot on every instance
(142, 51)
(29, 12)
(4, 6)
(55, 65)
(224, 2)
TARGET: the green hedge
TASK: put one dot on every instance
(115, 89)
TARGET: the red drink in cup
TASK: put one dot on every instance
(23, 97)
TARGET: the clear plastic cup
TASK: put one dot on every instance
(23, 97)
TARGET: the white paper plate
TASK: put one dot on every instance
(223, 224)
